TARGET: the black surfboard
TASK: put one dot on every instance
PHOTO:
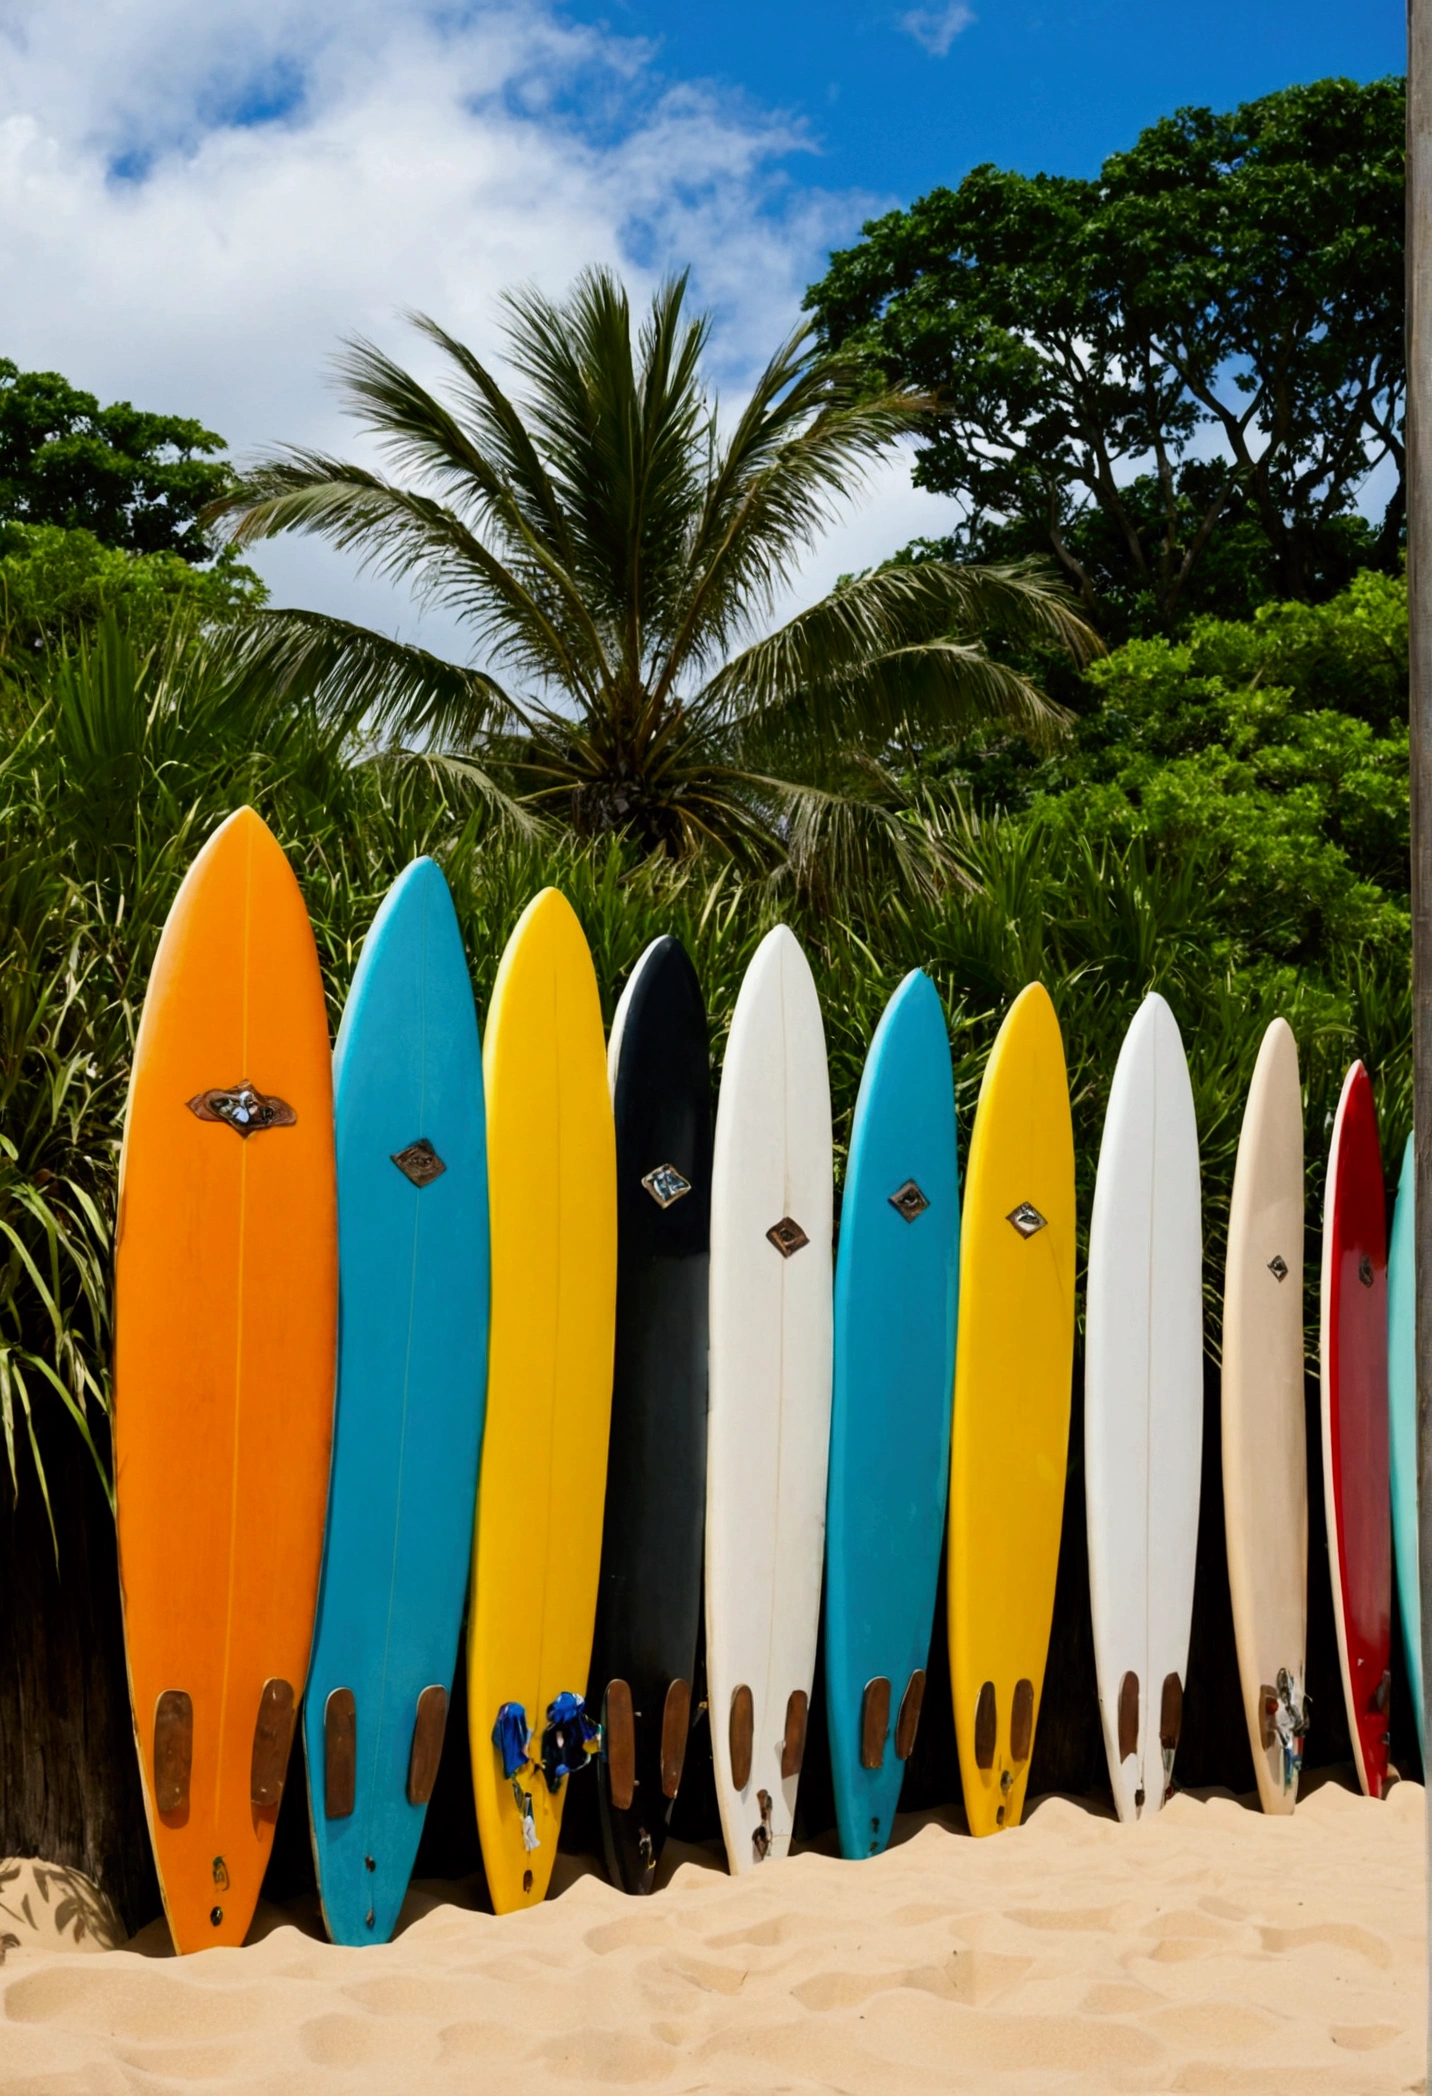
(649, 1600)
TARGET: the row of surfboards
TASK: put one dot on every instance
(596, 1363)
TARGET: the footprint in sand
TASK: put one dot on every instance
(411, 1994)
(846, 1990)
(1114, 1999)
(491, 2043)
(781, 1928)
(701, 1973)
(140, 2004)
(1181, 1935)
(1339, 1935)
(1363, 2037)
(633, 1932)
(613, 2056)
(1081, 1919)
(979, 1976)
(185, 2063)
(1218, 2026)
(336, 2040)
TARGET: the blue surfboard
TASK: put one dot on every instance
(1402, 1422)
(896, 1278)
(412, 1377)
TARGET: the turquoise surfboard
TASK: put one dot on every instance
(1402, 1422)
(895, 1294)
(412, 1375)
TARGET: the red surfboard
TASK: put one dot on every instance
(1355, 1449)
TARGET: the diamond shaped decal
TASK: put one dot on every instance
(1027, 1219)
(419, 1162)
(908, 1201)
(665, 1185)
(243, 1108)
(787, 1236)
(1278, 1267)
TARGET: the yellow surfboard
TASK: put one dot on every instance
(1013, 1373)
(551, 1166)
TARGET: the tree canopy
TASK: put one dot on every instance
(615, 548)
(1185, 368)
(135, 480)
(58, 586)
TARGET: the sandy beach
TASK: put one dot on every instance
(1209, 1950)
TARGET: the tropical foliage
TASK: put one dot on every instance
(133, 478)
(1174, 377)
(1218, 828)
(613, 545)
(57, 584)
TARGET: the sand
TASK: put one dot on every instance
(1208, 1950)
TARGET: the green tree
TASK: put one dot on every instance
(1271, 754)
(134, 479)
(1236, 276)
(56, 586)
(613, 546)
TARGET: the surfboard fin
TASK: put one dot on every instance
(908, 1722)
(173, 1750)
(429, 1727)
(1128, 1716)
(619, 1745)
(340, 1754)
(1021, 1720)
(794, 1739)
(986, 1727)
(675, 1729)
(874, 1722)
(273, 1736)
(741, 1735)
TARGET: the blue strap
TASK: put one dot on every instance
(511, 1735)
(570, 1738)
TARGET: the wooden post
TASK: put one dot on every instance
(1419, 581)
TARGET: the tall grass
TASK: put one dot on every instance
(120, 764)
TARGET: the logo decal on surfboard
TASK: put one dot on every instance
(419, 1162)
(243, 1108)
(1278, 1267)
(665, 1185)
(787, 1236)
(908, 1201)
(1027, 1219)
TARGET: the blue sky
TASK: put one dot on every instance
(897, 98)
(197, 202)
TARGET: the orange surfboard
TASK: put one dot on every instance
(226, 1278)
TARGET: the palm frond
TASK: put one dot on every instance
(803, 446)
(881, 659)
(362, 681)
(406, 536)
(624, 429)
(608, 547)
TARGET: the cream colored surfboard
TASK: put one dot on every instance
(1265, 1461)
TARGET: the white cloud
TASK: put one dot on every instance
(935, 28)
(197, 203)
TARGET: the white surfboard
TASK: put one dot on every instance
(1265, 1456)
(1143, 1406)
(769, 1425)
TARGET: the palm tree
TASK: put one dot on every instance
(613, 545)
